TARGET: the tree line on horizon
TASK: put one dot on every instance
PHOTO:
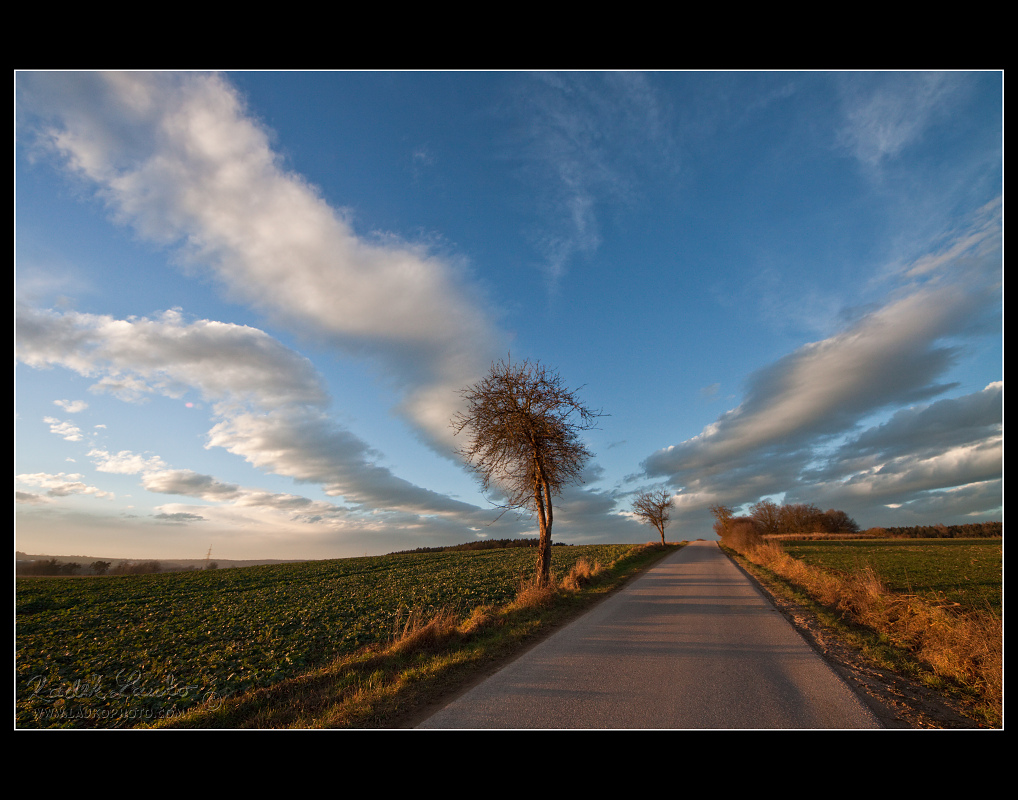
(484, 544)
(968, 530)
(769, 518)
(53, 566)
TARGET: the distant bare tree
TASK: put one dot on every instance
(654, 508)
(524, 429)
(768, 514)
(771, 518)
(723, 516)
(837, 521)
(800, 518)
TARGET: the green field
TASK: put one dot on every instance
(966, 572)
(116, 651)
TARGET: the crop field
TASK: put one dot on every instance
(116, 651)
(962, 573)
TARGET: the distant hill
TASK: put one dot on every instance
(23, 560)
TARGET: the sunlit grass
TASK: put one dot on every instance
(961, 573)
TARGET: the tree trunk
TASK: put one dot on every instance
(544, 512)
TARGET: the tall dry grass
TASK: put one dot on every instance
(579, 575)
(532, 595)
(415, 632)
(420, 633)
(967, 648)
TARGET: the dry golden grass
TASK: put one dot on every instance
(478, 618)
(964, 648)
(532, 595)
(580, 575)
(420, 634)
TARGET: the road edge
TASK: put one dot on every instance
(898, 702)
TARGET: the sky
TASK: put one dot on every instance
(247, 302)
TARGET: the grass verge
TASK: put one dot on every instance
(958, 655)
(390, 686)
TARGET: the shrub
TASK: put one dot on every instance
(742, 534)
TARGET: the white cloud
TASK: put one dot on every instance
(586, 146)
(205, 487)
(940, 426)
(906, 476)
(124, 462)
(308, 446)
(67, 430)
(798, 429)
(61, 485)
(176, 156)
(886, 117)
(268, 400)
(138, 357)
(942, 447)
(823, 388)
(71, 406)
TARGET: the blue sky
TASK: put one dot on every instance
(246, 302)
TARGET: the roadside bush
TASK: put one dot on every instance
(742, 534)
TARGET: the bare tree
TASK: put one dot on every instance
(768, 514)
(654, 508)
(837, 521)
(723, 516)
(524, 429)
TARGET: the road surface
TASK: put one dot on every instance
(691, 644)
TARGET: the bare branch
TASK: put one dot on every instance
(523, 431)
(654, 508)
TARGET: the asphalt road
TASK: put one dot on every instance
(691, 644)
